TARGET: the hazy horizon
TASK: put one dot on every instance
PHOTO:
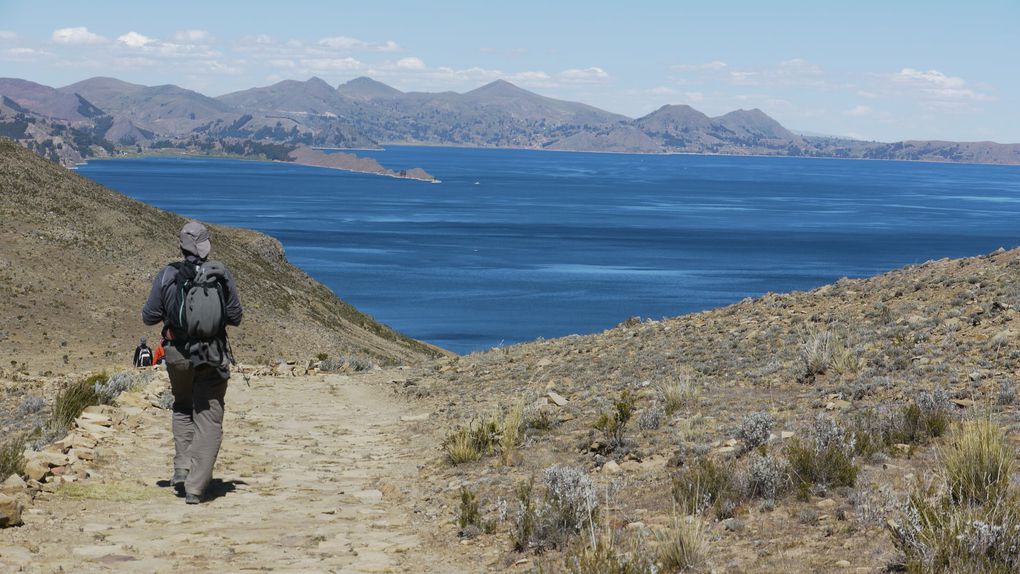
(869, 71)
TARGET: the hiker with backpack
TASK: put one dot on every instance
(143, 355)
(195, 299)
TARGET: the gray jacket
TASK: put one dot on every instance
(163, 297)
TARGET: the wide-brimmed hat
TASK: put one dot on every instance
(195, 239)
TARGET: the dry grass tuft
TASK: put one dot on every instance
(112, 491)
(684, 547)
(678, 392)
(12, 459)
(978, 461)
(510, 438)
(73, 399)
(460, 447)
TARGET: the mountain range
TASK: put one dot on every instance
(101, 116)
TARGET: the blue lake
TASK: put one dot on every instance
(515, 245)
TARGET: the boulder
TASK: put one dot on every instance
(36, 469)
(14, 483)
(10, 511)
(557, 398)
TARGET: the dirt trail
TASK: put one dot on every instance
(316, 474)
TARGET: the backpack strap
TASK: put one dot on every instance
(186, 273)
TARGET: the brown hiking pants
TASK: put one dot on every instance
(197, 418)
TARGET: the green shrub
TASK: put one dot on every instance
(613, 424)
(707, 484)
(828, 460)
(523, 517)
(469, 513)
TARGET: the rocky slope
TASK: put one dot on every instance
(855, 356)
(78, 260)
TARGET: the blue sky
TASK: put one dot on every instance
(876, 70)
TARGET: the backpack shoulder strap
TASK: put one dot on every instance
(184, 269)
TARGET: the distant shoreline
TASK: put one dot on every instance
(702, 154)
(181, 154)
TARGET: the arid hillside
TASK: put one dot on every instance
(781, 434)
(77, 261)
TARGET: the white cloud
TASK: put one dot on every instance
(23, 52)
(592, 74)
(858, 110)
(695, 96)
(7, 36)
(707, 66)
(193, 36)
(411, 63)
(662, 91)
(934, 85)
(76, 36)
(346, 43)
(317, 65)
(135, 40)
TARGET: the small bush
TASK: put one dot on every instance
(755, 429)
(683, 547)
(767, 477)
(571, 496)
(1007, 392)
(650, 418)
(938, 536)
(30, 406)
(329, 365)
(73, 399)
(165, 400)
(816, 354)
(978, 461)
(469, 513)
(613, 424)
(540, 419)
(321, 356)
(523, 518)
(569, 506)
(707, 484)
(845, 358)
(12, 458)
(606, 558)
(828, 460)
(678, 392)
(109, 389)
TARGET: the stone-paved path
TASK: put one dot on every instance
(316, 474)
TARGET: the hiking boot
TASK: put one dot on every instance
(192, 498)
(180, 475)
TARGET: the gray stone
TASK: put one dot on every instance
(10, 511)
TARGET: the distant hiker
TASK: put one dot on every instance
(159, 355)
(195, 299)
(143, 355)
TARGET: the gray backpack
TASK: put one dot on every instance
(200, 320)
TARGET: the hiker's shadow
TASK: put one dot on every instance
(217, 487)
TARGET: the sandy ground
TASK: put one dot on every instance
(316, 474)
